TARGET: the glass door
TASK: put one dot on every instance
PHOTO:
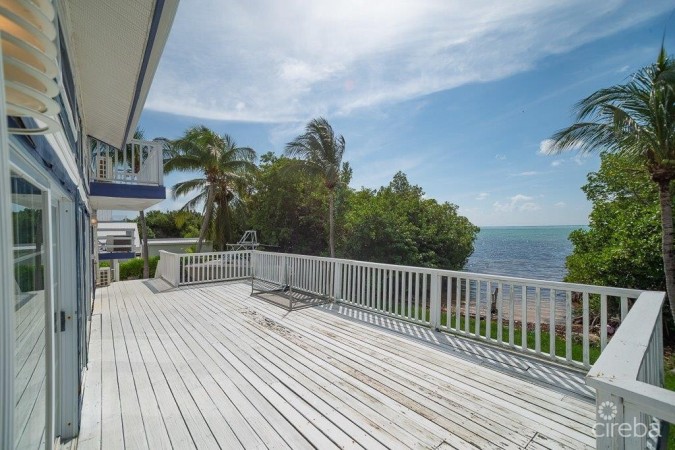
(31, 311)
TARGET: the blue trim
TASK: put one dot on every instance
(98, 189)
(43, 153)
(156, 16)
(116, 255)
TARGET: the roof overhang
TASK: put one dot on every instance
(114, 47)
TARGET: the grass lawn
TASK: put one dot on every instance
(560, 347)
(670, 384)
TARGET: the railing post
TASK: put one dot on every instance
(435, 302)
(284, 271)
(608, 415)
(337, 280)
(176, 269)
(253, 263)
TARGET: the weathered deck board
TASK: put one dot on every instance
(209, 366)
(425, 388)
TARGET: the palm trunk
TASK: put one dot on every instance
(226, 224)
(207, 219)
(331, 222)
(144, 251)
(667, 240)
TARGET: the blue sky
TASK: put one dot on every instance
(461, 100)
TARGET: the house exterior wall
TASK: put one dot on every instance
(47, 254)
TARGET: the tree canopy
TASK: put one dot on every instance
(320, 154)
(397, 225)
(636, 120)
(622, 246)
(297, 208)
(224, 170)
(288, 207)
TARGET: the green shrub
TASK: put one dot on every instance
(133, 268)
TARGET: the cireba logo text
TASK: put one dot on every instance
(607, 411)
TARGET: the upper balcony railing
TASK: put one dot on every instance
(140, 162)
(564, 322)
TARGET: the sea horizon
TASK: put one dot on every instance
(524, 251)
(532, 226)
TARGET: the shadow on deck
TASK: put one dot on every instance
(209, 366)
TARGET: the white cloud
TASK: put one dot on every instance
(528, 173)
(545, 146)
(482, 196)
(269, 61)
(580, 159)
(560, 205)
(500, 157)
(518, 202)
(557, 162)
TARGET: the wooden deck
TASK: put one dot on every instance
(209, 366)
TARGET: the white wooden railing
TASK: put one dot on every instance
(168, 267)
(628, 380)
(194, 268)
(313, 275)
(490, 308)
(141, 162)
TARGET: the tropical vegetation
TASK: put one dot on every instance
(320, 153)
(396, 224)
(302, 203)
(622, 245)
(223, 171)
(637, 121)
(172, 224)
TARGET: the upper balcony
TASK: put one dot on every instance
(129, 179)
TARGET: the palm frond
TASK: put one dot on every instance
(636, 119)
(186, 187)
(191, 205)
(320, 150)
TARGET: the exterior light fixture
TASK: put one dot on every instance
(29, 61)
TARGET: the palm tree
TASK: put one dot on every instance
(140, 134)
(221, 163)
(321, 153)
(636, 119)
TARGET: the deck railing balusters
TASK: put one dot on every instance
(551, 322)
(500, 307)
(586, 319)
(458, 303)
(523, 317)
(416, 294)
(467, 304)
(568, 326)
(423, 311)
(512, 313)
(479, 291)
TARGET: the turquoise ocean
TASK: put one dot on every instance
(526, 252)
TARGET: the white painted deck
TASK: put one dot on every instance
(208, 366)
